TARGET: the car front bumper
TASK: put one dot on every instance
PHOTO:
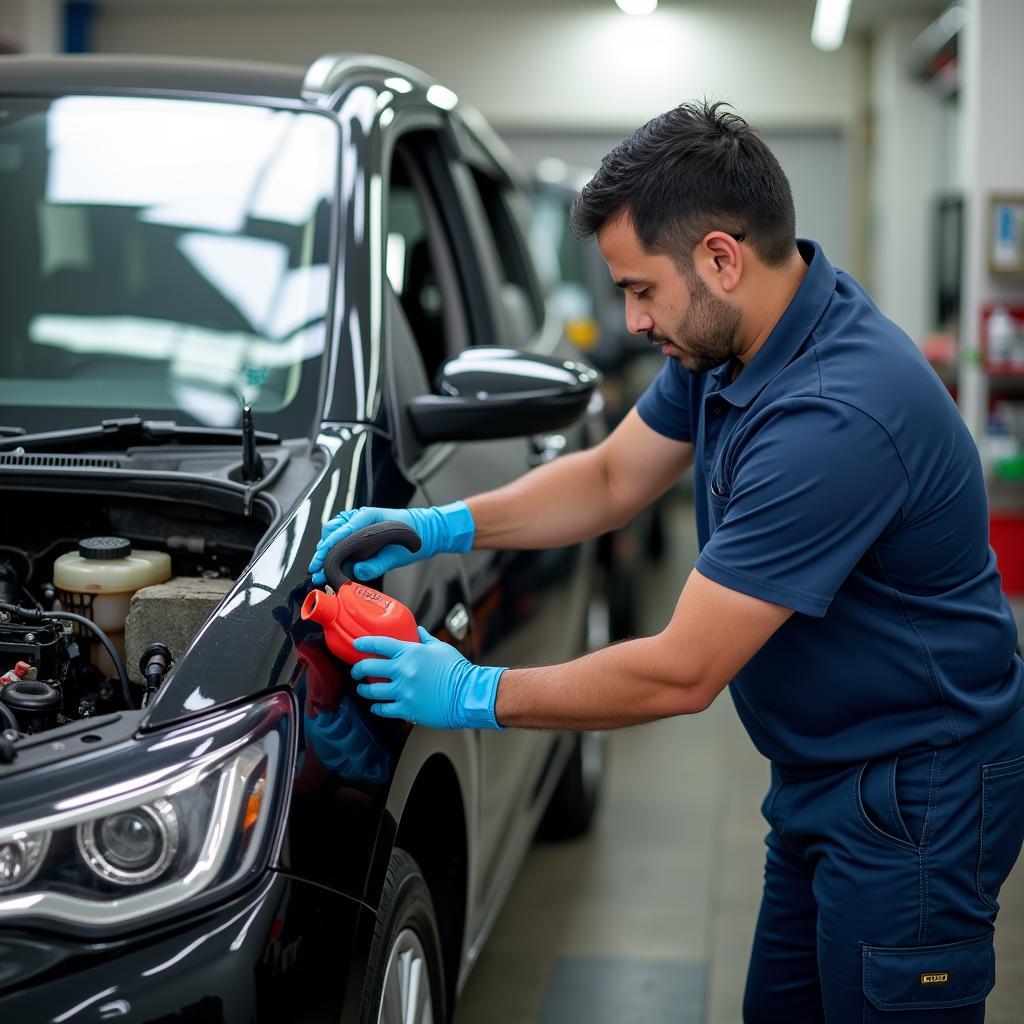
(283, 951)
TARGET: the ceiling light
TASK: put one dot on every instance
(637, 6)
(830, 17)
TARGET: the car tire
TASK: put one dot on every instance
(574, 803)
(405, 973)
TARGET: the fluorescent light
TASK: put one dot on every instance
(637, 6)
(830, 17)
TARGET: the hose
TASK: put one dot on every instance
(24, 556)
(8, 716)
(34, 615)
(107, 646)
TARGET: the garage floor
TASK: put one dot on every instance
(649, 920)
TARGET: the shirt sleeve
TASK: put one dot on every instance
(665, 405)
(812, 488)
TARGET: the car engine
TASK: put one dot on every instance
(91, 626)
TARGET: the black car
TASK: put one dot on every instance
(235, 300)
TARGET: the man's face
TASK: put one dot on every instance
(677, 312)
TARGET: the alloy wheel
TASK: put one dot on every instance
(406, 997)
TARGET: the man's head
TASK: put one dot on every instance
(684, 209)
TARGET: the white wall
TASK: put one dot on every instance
(992, 146)
(580, 68)
(904, 180)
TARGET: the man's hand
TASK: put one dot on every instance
(441, 528)
(428, 683)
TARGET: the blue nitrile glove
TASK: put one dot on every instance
(441, 528)
(428, 683)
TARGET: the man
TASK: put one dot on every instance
(845, 589)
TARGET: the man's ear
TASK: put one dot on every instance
(723, 257)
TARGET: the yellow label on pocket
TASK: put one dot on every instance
(936, 978)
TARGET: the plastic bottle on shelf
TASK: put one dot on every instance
(1002, 337)
(1017, 351)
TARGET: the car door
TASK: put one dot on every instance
(551, 587)
(444, 288)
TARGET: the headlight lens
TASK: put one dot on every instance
(20, 858)
(172, 816)
(133, 846)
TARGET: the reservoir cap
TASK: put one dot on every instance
(104, 548)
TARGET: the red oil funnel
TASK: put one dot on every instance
(356, 610)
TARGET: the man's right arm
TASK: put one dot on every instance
(584, 494)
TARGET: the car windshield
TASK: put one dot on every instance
(164, 258)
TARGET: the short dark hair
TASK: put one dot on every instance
(691, 170)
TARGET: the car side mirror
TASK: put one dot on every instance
(484, 394)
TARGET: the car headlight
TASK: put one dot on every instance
(133, 846)
(139, 828)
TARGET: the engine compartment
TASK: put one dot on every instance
(57, 664)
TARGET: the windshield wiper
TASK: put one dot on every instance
(119, 434)
(9, 431)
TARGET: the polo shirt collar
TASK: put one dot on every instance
(789, 334)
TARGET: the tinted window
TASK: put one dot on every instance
(523, 308)
(418, 262)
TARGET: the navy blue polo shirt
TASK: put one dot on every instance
(835, 476)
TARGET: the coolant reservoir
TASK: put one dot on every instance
(98, 581)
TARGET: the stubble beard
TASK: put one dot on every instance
(705, 336)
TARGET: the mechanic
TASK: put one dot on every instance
(845, 589)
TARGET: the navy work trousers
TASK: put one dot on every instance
(881, 882)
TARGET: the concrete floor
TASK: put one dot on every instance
(649, 919)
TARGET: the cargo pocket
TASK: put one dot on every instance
(915, 983)
(1002, 825)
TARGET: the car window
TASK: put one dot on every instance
(171, 256)
(418, 261)
(507, 218)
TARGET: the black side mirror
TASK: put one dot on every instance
(484, 394)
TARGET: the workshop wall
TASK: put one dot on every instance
(533, 66)
(906, 174)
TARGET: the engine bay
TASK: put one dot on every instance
(100, 593)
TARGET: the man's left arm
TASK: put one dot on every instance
(712, 634)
